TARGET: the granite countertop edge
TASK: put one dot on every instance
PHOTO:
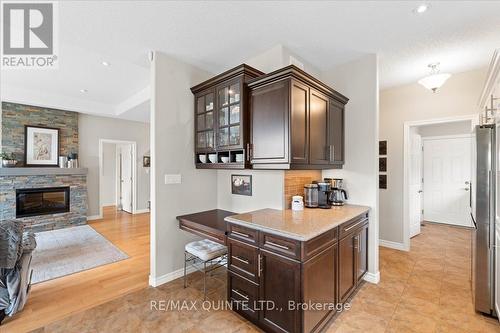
(294, 236)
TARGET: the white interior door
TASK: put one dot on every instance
(126, 177)
(415, 188)
(447, 171)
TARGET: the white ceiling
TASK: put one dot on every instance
(218, 35)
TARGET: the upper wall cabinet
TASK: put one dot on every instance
(221, 119)
(296, 122)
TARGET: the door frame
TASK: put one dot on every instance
(441, 137)
(134, 171)
(473, 118)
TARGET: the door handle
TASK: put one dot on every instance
(420, 191)
(466, 188)
(331, 153)
(259, 265)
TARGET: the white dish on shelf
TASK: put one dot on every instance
(202, 158)
(212, 158)
(224, 159)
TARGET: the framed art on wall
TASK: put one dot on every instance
(241, 184)
(41, 146)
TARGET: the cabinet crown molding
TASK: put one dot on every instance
(242, 69)
(293, 71)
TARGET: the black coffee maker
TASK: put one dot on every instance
(324, 190)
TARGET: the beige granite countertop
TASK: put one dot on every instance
(300, 225)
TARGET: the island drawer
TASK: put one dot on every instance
(349, 227)
(243, 259)
(243, 295)
(243, 234)
(281, 245)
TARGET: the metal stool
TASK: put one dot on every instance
(204, 252)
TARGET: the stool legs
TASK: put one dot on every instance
(185, 263)
(205, 281)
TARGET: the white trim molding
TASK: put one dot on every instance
(155, 282)
(489, 85)
(141, 211)
(372, 277)
(94, 217)
(393, 245)
(473, 118)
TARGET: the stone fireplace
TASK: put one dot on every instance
(44, 198)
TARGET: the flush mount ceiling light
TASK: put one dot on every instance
(436, 79)
(421, 8)
(83, 91)
(105, 63)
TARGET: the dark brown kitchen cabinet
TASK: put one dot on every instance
(361, 253)
(296, 122)
(353, 258)
(279, 285)
(221, 119)
(269, 276)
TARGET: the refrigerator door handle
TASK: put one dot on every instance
(473, 221)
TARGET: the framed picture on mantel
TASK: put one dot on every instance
(41, 146)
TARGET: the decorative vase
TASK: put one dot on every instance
(9, 163)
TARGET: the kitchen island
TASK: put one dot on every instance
(293, 271)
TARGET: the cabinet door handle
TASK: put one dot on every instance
(248, 152)
(240, 234)
(258, 265)
(241, 259)
(353, 226)
(240, 294)
(278, 245)
(332, 153)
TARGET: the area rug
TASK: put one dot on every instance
(66, 251)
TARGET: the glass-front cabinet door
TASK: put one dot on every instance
(229, 115)
(205, 130)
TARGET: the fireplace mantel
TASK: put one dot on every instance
(42, 171)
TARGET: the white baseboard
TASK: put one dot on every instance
(392, 245)
(108, 204)
(94, 217)
(141, 211)
(372, 278)
(155, 282)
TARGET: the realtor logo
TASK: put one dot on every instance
(29, 35)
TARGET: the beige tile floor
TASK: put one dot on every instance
(424, 290)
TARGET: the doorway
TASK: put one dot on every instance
(437, 173)
(117, 175)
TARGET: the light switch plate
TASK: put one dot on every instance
(173, 179)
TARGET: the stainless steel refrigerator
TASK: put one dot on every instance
(483, 215)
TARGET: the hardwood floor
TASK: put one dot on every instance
(424, 290)
(53, 300)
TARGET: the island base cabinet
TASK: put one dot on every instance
(279, 290)
(292, 275)
(353, 260)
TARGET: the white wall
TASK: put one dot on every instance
(267, 191)
(108, 174)
(278, 57)
(457, 97)
(93, 128)
(454, 128)
(358, 80)
(172, 123)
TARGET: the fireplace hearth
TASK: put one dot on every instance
(42, 201)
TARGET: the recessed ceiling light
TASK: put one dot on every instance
(421, 8)
(83, 91)
(105, 63)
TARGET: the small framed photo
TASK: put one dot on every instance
(41, 146)
(146, 161)
(382, 164)
(241, 184)
(382, 148)
(382, 182)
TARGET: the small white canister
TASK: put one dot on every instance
(297, 203)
